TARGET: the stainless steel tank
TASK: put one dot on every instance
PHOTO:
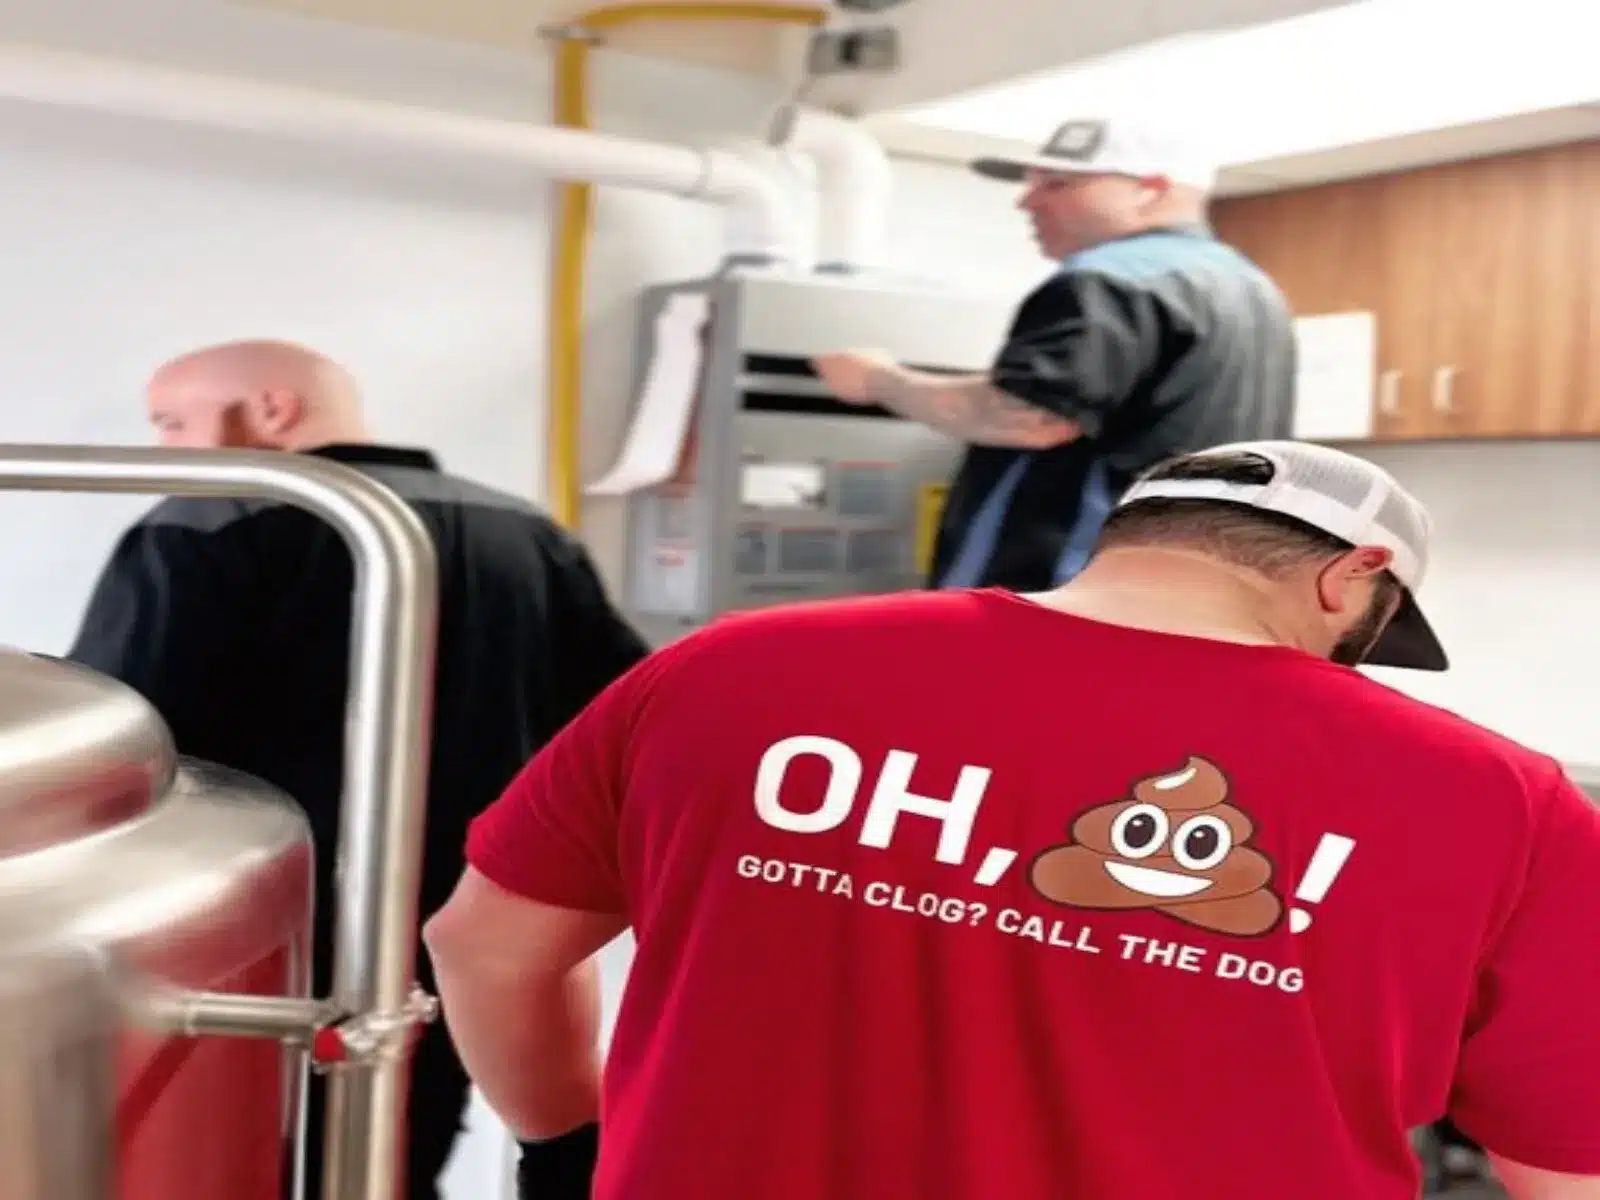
(142, 899)
(128, 876)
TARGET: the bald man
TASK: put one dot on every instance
(233, 619)
(262, 395)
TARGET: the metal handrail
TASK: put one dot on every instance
(388, 727)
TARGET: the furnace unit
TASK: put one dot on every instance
(782, 493)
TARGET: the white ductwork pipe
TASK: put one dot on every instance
(761, 206)
(854, 185)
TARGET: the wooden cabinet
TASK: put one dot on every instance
(1484, 276)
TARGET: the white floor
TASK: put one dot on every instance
(483, 1166)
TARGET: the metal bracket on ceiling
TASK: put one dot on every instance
(870, 50)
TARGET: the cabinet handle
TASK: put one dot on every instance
(1444, 380)
(1389, 393)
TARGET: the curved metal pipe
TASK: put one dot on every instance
(388, 727)
(855, 184)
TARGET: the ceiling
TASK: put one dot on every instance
(943, 58)
(520, 25)
(1522, 132)
(1276, 100)
(948, 46)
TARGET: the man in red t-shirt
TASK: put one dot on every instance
(1134, 890)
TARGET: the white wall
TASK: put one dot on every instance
(123, 244)
(1514, 586)
(120, 252)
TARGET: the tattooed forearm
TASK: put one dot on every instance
(968, 407)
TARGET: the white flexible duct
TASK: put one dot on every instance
(759, 202)
(854, 185)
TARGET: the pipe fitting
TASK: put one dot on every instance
(855, 185)
(699, 188)
(288, 1019)
(373, 1037)
(763, 221)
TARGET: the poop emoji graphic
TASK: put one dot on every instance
(1177, 846)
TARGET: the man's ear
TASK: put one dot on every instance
(1367, 561)
(1338, 580)
(1155, 189)
(278, 411)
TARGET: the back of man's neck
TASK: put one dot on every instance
(1173, 592)
(1157, 618)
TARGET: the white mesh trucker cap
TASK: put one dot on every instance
(1119, 146)
(1347, 497)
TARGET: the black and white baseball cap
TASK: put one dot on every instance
(1340, 494)
(1111, 146)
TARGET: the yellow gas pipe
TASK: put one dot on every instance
(574, 217)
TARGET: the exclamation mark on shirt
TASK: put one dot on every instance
(1333, 851)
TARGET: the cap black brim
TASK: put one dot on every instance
(1015, 170)
(1408, 641)
(1006, 170)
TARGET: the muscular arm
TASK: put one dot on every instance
(1524, 1085)
(522, 1002)
(968, 407)
(544, 891)
(1076, 350)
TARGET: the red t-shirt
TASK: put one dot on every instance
(949, 896)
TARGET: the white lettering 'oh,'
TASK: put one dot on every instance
(844, 777)
(891, 796)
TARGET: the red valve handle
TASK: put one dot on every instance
(328, 1046)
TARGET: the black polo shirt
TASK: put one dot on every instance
(233, 618)
(1156, 344)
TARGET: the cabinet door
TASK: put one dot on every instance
(1583, 409)
(1511, 294)
(1315, 243)
(1409, 245)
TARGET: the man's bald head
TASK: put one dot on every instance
(261, 395)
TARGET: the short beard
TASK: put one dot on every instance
(1357, 642)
